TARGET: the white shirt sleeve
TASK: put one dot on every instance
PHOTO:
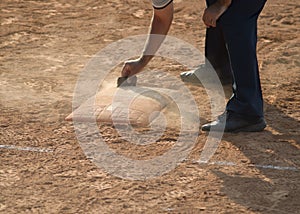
(159, 4)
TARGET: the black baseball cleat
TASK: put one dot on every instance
(230, 122)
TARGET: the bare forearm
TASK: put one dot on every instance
(160, 25)
(214, 12)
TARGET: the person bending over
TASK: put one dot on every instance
(236, 24)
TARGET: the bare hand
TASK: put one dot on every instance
(132, 67)
(213, 13)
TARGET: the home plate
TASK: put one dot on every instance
(138, 106)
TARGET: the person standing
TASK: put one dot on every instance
(236, 23)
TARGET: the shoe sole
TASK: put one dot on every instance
(194, 82)
(198, 83)
(252, 128)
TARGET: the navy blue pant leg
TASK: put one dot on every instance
(216, 51)
(239, 26)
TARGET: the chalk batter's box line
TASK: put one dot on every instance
(28, 149)
(219, 163)
(227, 163)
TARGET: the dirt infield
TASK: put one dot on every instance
(44, 46)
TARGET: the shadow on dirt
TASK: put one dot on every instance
(271, 190)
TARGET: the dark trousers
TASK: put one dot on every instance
(231, 49)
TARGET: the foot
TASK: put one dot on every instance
(202, 72)
(229, 122)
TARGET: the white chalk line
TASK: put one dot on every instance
(219, 163)
(29, 149)
(227, 163)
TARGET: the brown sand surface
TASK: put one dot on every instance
(43, 47)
